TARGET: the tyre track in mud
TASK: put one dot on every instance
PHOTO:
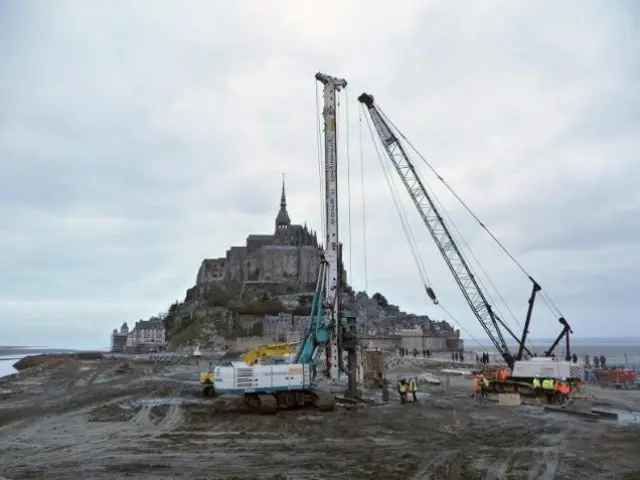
(54, 441)
(498, 452)
(437, 439)
(47, 430)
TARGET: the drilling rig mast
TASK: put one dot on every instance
(343, 338)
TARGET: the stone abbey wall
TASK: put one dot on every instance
(290, 254)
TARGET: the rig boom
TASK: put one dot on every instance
(439, 231)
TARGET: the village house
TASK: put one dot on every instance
(147, 335)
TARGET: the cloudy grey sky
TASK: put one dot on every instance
(137, 138)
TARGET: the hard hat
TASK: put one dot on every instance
(563, 379)
(537, 375)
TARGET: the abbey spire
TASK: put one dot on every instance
(283, 220)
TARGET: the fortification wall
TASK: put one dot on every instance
(236, 267)
(211, 270)
(278, 262)
(310, 262)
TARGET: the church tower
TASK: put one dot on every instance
(282, 220)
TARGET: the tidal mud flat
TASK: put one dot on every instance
(93, 419)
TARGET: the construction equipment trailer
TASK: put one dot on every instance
(522, 369)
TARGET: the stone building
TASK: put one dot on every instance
(146, 335)
(119, 338)
(422, 339)
(284, 327)
(290, 254)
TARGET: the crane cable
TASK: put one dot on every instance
(408, 232)
(548, 301)
(364, 219)
(473, 261)
(320, 162)
(401, 214)
(346, 98)
(461, 239)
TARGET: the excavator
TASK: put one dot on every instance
(523, 365)
(258, 354)
(289, 381)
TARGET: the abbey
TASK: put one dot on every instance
(290, 254)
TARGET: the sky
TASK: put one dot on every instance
(139, 137)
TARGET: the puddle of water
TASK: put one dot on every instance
(628, 418)
(162, 401)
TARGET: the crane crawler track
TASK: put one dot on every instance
(270, 403)
(512, 386)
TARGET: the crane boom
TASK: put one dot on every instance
(438, 229)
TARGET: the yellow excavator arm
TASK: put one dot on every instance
(269, 350)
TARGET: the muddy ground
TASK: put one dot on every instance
(84, 418)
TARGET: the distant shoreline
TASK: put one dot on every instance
(19, 351)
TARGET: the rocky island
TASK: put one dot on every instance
(261, 292)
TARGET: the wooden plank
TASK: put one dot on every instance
(605, 414)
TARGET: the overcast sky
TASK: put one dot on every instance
(137, 138)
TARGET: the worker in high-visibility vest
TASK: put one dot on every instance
(484, 384)
(562, 390)
(548, 389)
(413, 388)
(403, 387)
(475, 383)
(537, 385)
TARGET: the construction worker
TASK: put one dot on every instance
(402, 390)
(537, 385)
(562, 390)
(475, 382)
(484, 383)
(548, 389)
(413, 388)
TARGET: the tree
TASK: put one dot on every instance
(174, 307)
(304, 300)
(380, 300)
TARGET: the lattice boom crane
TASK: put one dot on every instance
(522, 371)
(438, 230)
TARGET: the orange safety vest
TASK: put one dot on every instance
(476, 384)
(564, 389)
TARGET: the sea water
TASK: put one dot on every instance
(616, 351)
(6, 364)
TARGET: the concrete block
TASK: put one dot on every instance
(509, 399)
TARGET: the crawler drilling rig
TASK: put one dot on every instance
(287, 382)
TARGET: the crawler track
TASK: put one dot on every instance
(269, 403)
